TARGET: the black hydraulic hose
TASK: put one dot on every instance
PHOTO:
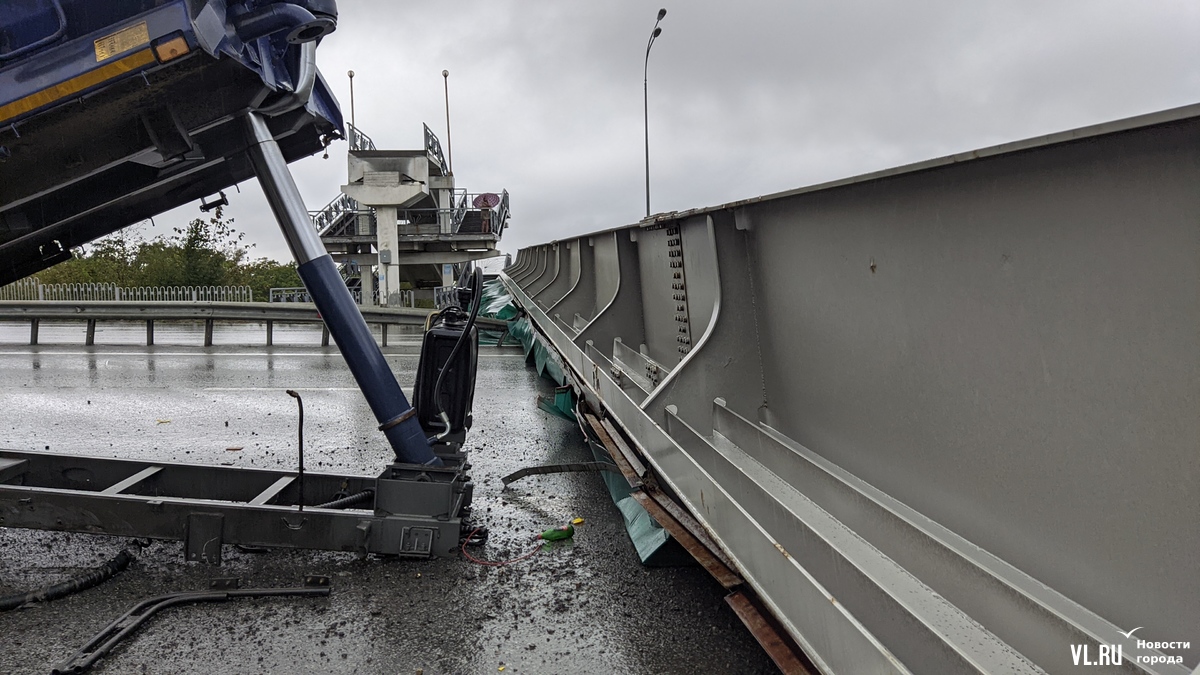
(477, 286)
(350, 500)
(65, 588)
(300, 482)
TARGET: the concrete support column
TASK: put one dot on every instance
(445, 201)
(386, 242)
(442, 189)
(366, 276)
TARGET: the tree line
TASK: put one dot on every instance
(207, 252)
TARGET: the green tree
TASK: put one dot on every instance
(206, 252)
(264, 274)
(110, 261)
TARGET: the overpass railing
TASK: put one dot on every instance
(300, 294)
(33, 289)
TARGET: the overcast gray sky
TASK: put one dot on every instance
(746, 98)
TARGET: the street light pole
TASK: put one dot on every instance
(646, 101)
(449, 145)
(350, 74)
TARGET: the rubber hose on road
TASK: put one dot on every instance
(65, 588)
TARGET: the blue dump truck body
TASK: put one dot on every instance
(112, 112)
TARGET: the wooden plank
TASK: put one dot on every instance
(688, 521)
(136, 478)
(786, 655)
(627, 451)
(724, 576)
(621, 454)
(618, 458)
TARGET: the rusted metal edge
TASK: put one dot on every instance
(724, 576)
(698, 544)
(611, 438)
(619, 458)
(673, 518)
(628, 452)
(786, 654)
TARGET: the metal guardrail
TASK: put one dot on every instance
(357, 139)
(502, 213)
(434, 147)
(445, 296)
(335, 210)
(460, 212)
(268, 313)
(35, 312)
(32, 289)
(300, 294)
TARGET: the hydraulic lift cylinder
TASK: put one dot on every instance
(334, 302)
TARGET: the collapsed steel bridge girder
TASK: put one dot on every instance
(942, 416)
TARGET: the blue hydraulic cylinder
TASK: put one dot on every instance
(396, 417)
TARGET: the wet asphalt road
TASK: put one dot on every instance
(585, 607)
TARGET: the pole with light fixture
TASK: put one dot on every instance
(646, 101)
(449, 145)
(350, 74)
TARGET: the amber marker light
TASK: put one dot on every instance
(171, 47)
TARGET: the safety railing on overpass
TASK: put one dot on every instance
(434, 147)
(336, 212)
(300, 294)
(38, 311)
(33, 289)
(358, 140)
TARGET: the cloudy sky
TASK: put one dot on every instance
(746, 98)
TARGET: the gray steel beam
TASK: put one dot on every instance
(983, 367)
(205, 506)
(556, 262)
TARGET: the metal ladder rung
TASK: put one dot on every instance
(136, 478)
(276, 487)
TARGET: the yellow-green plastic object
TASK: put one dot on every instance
(559, 533)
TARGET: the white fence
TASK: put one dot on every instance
(32, 289)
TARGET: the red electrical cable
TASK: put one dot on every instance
(493, 563)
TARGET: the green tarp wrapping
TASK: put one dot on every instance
(497, 304)
(655, 546)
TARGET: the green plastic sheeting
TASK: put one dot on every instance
(562, 404)
(497, 303)
(655, 546)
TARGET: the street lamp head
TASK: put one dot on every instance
(445, 73)
(657, 32)
(662, 13)
(350, 74)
